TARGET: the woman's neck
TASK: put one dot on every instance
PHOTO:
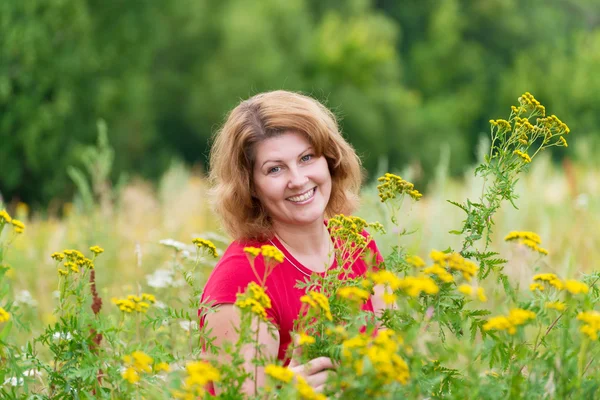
(309, 240)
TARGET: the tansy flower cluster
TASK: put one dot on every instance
(136, 364)
(392, 186)
(74, 260)
(198, 375)
(5, 218)
(455, 262)
(207, 245)
(591, 320)
(348, 229)
(411, 285)
(470, 291)
(415, 261)
(133, 303)
(380, 353)
(529, 239)
(556, 305)
(548, 278)
(516, 317)
(524, 156)
(254, 299)
(353, 293)
(285, 375)
(4, 315)
(268, 252)
(318, 302)
(529, 103)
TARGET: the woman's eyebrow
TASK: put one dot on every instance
(278, 160)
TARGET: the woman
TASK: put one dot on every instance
(279, 167)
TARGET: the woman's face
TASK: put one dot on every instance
(292, 184)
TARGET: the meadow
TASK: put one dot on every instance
(146, 233)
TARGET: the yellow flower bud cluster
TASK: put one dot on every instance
(353, 294)
(4, 315)
(570, 285)
(591, 320)
(135, 303)
(136, 364)
(556, 305)
(470, 291)
(524, 156)
(255, 300)
(393, 185)
(549, 278)
(319, 302)
(5, 218)
(268, 252)
(529, 239)
(198, 375)
(286, 375)
(381, 352)
(516, 317)
(527, 101)
(74, 260)
(501, 124)
(348, 229)
(203, 244)
(411, 285)
(415, 261)
(455, 262)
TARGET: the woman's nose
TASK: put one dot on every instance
(297, 178)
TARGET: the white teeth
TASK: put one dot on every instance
(303, 197)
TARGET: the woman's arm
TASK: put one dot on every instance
(224, 324)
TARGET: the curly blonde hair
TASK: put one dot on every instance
(232, 158)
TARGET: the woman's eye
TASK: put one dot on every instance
(273, 170)
(307, 157)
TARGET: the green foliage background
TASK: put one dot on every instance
(404, 76)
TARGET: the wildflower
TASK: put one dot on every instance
(592, 323)
(318, 301)
(440, 272)
(455, 262)
(63, 272)
(415, 261)
(393, 186)
(414, 285)
(348, 229)
(4, 218)
(4, 315)
(281, 374)
(555, 305)
(162, 366)
(536, 286)
(576, 287)
(481, 295)
(305, 339)
(516, 317)
(135, 364)
(252, 251)
(255, 299)
(529, 239)
(135, 303)
(203, 244)
(271, 253)
(562, 141)
(148, 297)
(551, 279)
(387, 278)
(389, 298)
(470, 291)
(96, 250)
(19, 227)
(524, 156)
(353, 293)
(306, 391)
(57, 256)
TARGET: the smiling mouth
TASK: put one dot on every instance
(304, 196)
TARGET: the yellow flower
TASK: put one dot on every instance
(4, 218)
(318, 301)
(58, 256)
(389, 298)
(96, 250)
(440, 272)
(252, 251)
(576, 287)
(19, 227)
(200, 373)
(516, 317)
(306, 391)
(203, 244)
(4, 315)
(148, 297)
(63, 272)
(481, 295)
(552, 280)
(271, 253)
(592, 323)
(415, 261)
(467, 290)
(556, 305)
(162, 366)
(279, 373)
(455, 262)
(131, 375)
(393, 185)
(536, 286)
(563, 141)
(353, 293)
(305, 339)
(524, 156)
(387, 278)
(471, 292)
(414, 285)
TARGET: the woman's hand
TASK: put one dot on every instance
(315, 372)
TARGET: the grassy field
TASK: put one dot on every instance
(559, 202)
